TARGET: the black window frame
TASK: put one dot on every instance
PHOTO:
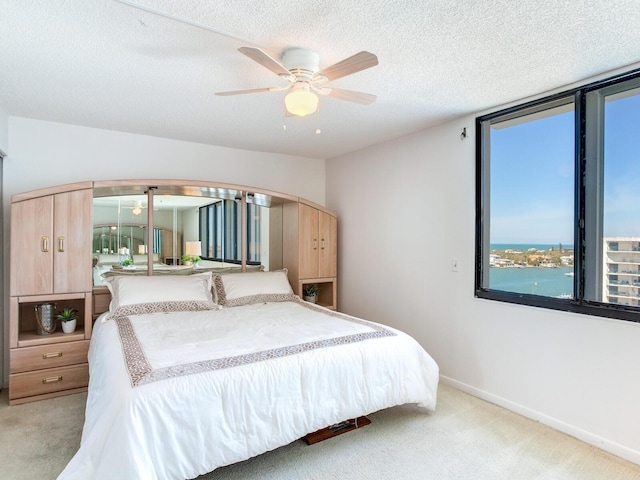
(577, 304)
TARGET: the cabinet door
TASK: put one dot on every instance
(328, 241)
(308, 241)
(32, 246)
(72, 241)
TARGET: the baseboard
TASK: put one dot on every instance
(583, 435)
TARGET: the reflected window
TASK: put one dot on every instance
(221, 232)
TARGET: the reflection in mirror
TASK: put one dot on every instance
(195, 220)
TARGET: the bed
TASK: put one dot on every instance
(191, 373)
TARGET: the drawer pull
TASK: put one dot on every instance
(51, 355)
(51, 379)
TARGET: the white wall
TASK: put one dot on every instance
(4, 147)
(405, 210)
(4, 131)
(45, 154)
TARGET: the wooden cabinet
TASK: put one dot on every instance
(318, 231)
(51, 244)
(310, 249)
(50, 263)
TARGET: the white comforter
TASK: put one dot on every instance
(174, 396)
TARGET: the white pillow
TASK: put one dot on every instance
(236, 289)
(132, 295)
(109, 259)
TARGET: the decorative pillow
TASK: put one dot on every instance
(109, 258)
(143, 294)
(246, 288)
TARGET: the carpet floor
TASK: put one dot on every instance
(466, 438)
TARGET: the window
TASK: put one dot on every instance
(221, 232)
(557, 222)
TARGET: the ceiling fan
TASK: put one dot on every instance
(301, 69)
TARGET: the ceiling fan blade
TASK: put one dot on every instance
(359, 61)
(350, 96)
(265, 60)
(192, 23)
(241, 92)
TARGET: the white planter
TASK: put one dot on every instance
(69, 326)
(310, 299)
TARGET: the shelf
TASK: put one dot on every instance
(328, 291)
(24, 322)
(31, 338)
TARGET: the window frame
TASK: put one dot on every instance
(583, 175)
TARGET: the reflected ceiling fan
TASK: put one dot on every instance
(136, 208)
(301, 68)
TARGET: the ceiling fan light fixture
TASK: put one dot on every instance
(301, 101)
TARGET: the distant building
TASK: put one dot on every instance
(503, 262)
(621, 270)
(567, 260)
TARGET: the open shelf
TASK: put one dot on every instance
(328, 291)
(27, 335)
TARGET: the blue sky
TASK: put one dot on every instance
(532, 177)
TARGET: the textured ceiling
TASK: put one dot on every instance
(108, 65)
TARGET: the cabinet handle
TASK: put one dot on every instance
(52, 379)
(61, 244)
(315, 243)
(51, 355)
(45, 244)
(322, 244)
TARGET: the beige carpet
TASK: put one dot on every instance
(466, 438)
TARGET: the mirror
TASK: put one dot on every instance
(208, 220)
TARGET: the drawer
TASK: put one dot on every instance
(101, 301)
(26, 359)
(48, 381)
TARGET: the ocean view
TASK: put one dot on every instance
(549, 282)
(526, 246)
(536, 280)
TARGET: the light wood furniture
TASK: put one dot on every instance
(310, 247)
(101, 300)
(50, 263)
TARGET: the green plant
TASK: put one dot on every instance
(126, 262)
(67, 314)
(310, 290)
(190, 258)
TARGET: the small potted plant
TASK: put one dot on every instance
(310, 292)
(68, 318)
(127, 262)
(190, 260)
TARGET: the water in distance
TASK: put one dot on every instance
(548, 282)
